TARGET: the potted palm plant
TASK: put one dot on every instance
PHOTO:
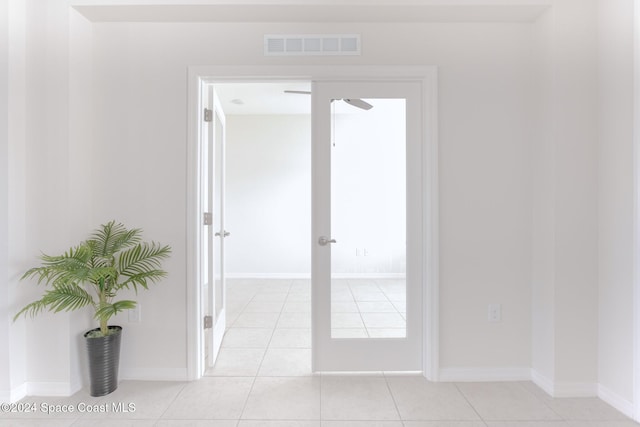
(91, 274)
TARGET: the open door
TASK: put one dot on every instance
(212, 152)
(367, 247)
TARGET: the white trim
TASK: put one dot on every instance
(154, 374)
(636, 213)
(575, 390)
(430, 229)
(543, 382)
(485, 374)
(63, 389)
(196, 74)
(615, 400)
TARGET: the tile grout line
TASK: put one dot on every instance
(393, 398)
(244, 406)
(464, 396)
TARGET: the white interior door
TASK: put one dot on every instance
(213, 231)
(367, 226)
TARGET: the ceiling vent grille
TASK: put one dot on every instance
(312, 44)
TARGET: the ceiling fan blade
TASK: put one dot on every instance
(359, 103)
(303, 92)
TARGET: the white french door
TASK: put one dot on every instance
(367, 248)
(213, 233)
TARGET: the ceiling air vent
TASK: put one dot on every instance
(312, 44)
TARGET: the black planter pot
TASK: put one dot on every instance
(104, 358)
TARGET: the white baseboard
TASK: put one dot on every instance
(154, 374)
(484, 374)
(615, 400)
(543, 382)
(575, 389)
(17, 393)
(564, 389)
(35, 388)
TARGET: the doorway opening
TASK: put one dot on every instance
(290, 292)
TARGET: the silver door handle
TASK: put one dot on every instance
(225, 233)
(323, 241)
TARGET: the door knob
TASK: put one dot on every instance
(323, 241)
(225, 233)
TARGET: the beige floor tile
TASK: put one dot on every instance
(269, 297)
(286, 362)
(592, 409)
(237, 362)
(297, 307)
(362, 423)
(376, 307)
(264, 306)
(357, 398)
(419, 399)
(527, 424)
(291, 338)
(383, 320)
(149, 399)
(247, 338)
(346, 320)
(210, 398)
(294, 320)
(256, 320)
(196, 423)
(279, 423)
(289, 398)
(445, 424)
(344, 307)
(506, 401)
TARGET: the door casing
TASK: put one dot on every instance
(426, 75)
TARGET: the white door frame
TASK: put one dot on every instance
(427, 75)
(636, 218)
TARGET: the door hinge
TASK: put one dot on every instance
(208, 115)
(208, 322)
(207, 218)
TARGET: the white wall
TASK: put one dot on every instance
(268, 203)
(5, 378)
(518, 177)
(485, 92)
(565, 204)
(616, 197)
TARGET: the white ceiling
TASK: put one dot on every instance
(312, 11)
(264, 98)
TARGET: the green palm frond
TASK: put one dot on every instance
(71, 267)
(141, 264)
(105, 311)
(61, 297)
(111, 259)
(113, 237)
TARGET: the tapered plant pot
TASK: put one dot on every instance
(104, 359)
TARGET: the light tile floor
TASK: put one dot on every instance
(263, 379)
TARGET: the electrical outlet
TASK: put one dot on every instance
(495, 313)
(357, 251)
(365, 252)
(135, 315)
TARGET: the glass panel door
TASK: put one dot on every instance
(367, 226)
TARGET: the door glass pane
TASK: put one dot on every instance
(368, 219)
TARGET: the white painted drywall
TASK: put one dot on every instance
(268, 197)
(616, 197)
(485, 93)
(490, 163)
(5, 374)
